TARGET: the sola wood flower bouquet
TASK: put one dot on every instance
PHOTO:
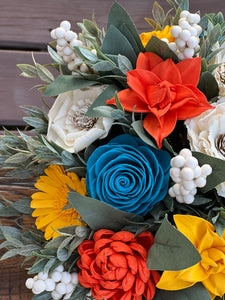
(128, 162)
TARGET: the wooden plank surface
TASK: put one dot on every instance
(24, 27)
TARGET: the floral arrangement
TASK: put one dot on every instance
(128, 161)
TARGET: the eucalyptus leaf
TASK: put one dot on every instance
(8, 254)
(98, 214)
(32, 110)
(28, 70)
(107, 94)
(18, 158)
(160, 48)
(86, 54)
(38, 266)
(214, 34)
(55, 56)
(116, 43)
(42, 296)
(208, 85)
(103, 66)
(54, 244)
(124, 64)
(195, 292)
(44, 73)
(169, 249)
(218, 166)
(65, 83)
(11, 231)
(119, 16)
(67, 158)
(104, 111)
(139, 129)
(49, 264)
(62, 254)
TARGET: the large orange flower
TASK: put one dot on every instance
(113, 265)
(164, 90)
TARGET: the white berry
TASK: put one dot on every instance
(29, 283)
(56, 276)
(165, 40)
(197, 171)
(193, 31)
(174, 172)
(50, 285)
(198, 28)
(61, 42)
(42, 276)
(187, 173)
(175, 31)
(185, 35)
(66, 277)
(60, 32)
(70, 288)
(188, 184)
(39, 286)
(67, 51)
(184, 14)
(180, 199)
(188, 199)
(180, 43)
(188, 52)
(186, 153)
(192, 42)
(65, 25)
(61, 288)
(55, 295)
(70, 35)
(184, 24)
(191, 162)
(177, 161)
(171, 193)
(200, 181)
(206, 170)
(173, 46)
(74, 278)
(183, 191)
(53, 35)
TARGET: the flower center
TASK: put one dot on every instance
(220, 144)
(81, 121)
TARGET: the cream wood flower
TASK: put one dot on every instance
(68, 125)
(219, 72)
(206, 134)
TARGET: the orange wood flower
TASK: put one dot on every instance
(113, 265)
(164, 90)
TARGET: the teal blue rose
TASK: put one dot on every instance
(128, 174)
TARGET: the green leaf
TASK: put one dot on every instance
(67, 158)
(158, 13)
(8, 212)
(208, 85)
(116, 43)
(219, 222)
(140, 131)
(38, 266)
(18, 158)
(42, 296)
(86, 54)
(218, 166)
(214, 34)
(177, 16)
(11, 231)
(196, 292)
(65, 83)
(107, 94)
(118, 103)
(103, 66)
(98, 214)
(125, 31)
(55, 56)
(44, 73)
(124, 64)
(91, 27)
(62, 254)
(118, 16)
(169, 249)
(160, 48)
(35, 122)
(28, 70)
(104, 111)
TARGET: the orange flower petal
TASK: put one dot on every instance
(103, 233)
(121, 247)
(132, 263)
(101, 243)
(121, 273)
(128, 281)
(139, 286)
(118, 260)
(149, 290)
(123, 236)
(148, 60)
(190, 70)
(139, 248)
(160, 128)
(168, 71)
(99, 293)
(143, 272)
(145, 239)
(129, 100)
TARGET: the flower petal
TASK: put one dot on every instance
(170, 281)
(168, 71)
(145, 239)
(129, 100)
(215, 284)
(148, 60)
(190, 70)
(160, 128)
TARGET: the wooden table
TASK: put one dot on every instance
(25, 27)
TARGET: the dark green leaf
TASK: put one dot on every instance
(169, 249)
(107, 94)
(208, 85)
(125, 31)
(65, 83)
(116, 43)
(219, 223)
(201, 200)
(98, 214)
(160, 48)
(218, 166)
(118, 16)
(196, 292)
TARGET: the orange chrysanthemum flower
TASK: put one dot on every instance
(165, 33)
(165, 91)
(49, 203)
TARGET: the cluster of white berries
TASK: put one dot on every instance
(61, 284)
(187, 35)
(187, 175)
(66, 41)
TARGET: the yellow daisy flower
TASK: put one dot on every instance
(165, 33)
(50, 201)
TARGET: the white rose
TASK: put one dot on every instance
(206, 134)
(69, 127)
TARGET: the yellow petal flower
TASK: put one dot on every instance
(50, 201)
(211, 269)
(165, 33)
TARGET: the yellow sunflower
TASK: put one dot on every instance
(50, 201)
(165, 33)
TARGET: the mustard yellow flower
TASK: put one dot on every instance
(49, 203)
(211, 269)
(165, 33)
